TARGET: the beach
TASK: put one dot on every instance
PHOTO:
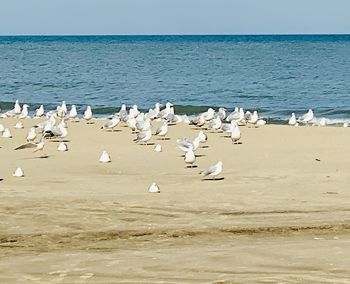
(280, 214)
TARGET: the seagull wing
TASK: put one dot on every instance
(26, 146)
(208, 171)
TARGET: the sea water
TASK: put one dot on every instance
(273, 74)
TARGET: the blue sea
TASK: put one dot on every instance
(274, 74)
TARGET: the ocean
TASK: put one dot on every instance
(274, 74)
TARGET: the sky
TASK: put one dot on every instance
(90, 17)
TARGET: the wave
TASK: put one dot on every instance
(272, 116)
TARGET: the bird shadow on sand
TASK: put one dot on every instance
(210, 179)
(197, 156)
(114, 130)
(199, 128)
(42, 157)
(191, 167)
(58, 141)
(148, 144)
(204, 147)
(38, 157)
(163, 139)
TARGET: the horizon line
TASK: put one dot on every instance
(194, 34)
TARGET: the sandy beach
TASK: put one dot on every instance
(280, 215)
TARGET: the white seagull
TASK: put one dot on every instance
(19, 125)
(40, 111)
(111, 124)
(144, 136)
(105, 158)
(158, 148)
(24, 113)
(73, 112)
(235, 134)
(6, 133)
(154, 188)
(162, 130)
(190, 158)
(213, 170)
(17, 108)
(31, 135)
(307, 117)
(88, 114)
(292, 120)
(62, 147)
(18, 173)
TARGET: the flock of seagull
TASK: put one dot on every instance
(55, 127)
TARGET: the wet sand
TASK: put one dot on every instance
(281, 213)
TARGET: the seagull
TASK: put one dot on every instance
(131, 122)
(53, 131)
(168, 110)
(202, 137)
(153, 113)
(190, 157)
(144, 136)
(24, 113)
(292, 120)
(158, 148)
(110, 124)
(185, 144)
(233, 115)
(6, 133)
(62, 110)
(154, 188)
(19, 125)
(209, 114)
(40, 111)
(64, 107)
(123, 114)
(17, 108)
(105, 158)
(62, 147)
(235, 134)
(143, 125)
(18, 173)
(213, 170)
(88, 114)
(307, 117)
(215, 123)
(133, 112)
(227, 127)
(47, 124)
(162, 130)
(198, 121)
(73, 112)
(222, 113)
(253, 119)
(31, 135)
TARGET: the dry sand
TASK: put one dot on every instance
(278, 216)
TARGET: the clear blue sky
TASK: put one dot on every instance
(174, 16)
